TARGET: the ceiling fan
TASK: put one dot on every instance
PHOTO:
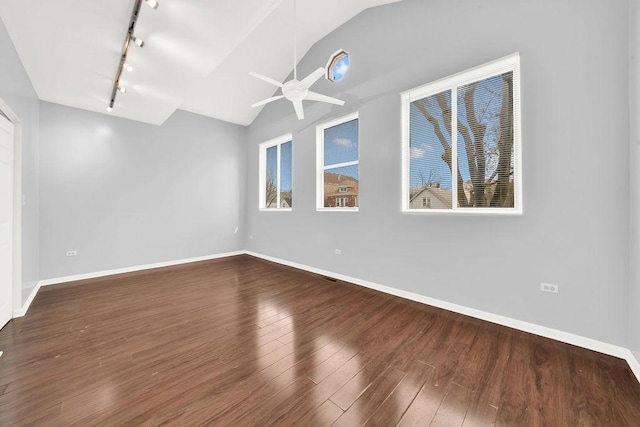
(296, 90)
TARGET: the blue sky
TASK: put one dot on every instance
(341, 145)
(285, 164)
(340, 69)
(426, 149)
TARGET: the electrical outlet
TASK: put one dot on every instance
(548, 287)
(338, 251)
(72, 253)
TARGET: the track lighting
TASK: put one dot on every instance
(152, 3)
(123, 65)
(138, 41)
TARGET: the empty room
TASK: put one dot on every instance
(315, 213)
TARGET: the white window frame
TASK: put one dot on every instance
(320, 167)
(490, 69)
(262, 171)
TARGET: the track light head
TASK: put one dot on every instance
(138, 41)
(153, 4)
(109, 109)
(128, 67)
(122, 89)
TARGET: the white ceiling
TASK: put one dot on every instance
(197, 53)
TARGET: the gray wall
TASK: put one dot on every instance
(634, 253)
(18, 93)
(575, 147)
(124, 193)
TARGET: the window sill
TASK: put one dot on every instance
(465, 212)
(337, 209)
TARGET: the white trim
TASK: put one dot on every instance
(320, 166)
(7, 127)
(58, 280)
(543, 331)
(23, 310)
(341, 165)
(463, 211)
(451, 84)
(17, 204)
(262, 170)
(634, 364)
(480, 72)
(337, 209)
(340, 120)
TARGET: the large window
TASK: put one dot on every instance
(481, 171)
(337, 169)
(276, 161)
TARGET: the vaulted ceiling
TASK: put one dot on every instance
(196, 57)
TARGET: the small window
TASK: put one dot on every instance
(276, 163)
(482, 105)
(337, 66)
(426, 202)
(337, 169)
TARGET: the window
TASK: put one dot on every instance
(275, 171)
(337, 168)
(337, 66)
(483, 106)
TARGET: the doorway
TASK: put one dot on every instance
(6, 220)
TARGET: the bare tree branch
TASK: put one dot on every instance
(478, 129)
(446, 156)
(505, 144)
(271, 190)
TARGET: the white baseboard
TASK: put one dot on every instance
(634, 364)
(580, 341)
(566, 337)
(22, 311)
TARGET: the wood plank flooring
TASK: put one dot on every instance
(244, 342)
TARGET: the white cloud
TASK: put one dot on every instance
(345, 142)
(340, 70)
(417, 152)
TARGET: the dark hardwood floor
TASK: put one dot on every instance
(241, 341)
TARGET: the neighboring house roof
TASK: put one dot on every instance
(429, 191)
(285, 196)
(334, 181)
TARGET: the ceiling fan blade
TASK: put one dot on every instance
(266, 79)
(313, 96)
(266, 101)
(308, 81)
(299, 111)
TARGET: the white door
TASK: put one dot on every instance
(6, 220)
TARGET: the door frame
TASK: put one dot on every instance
(17, 206)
